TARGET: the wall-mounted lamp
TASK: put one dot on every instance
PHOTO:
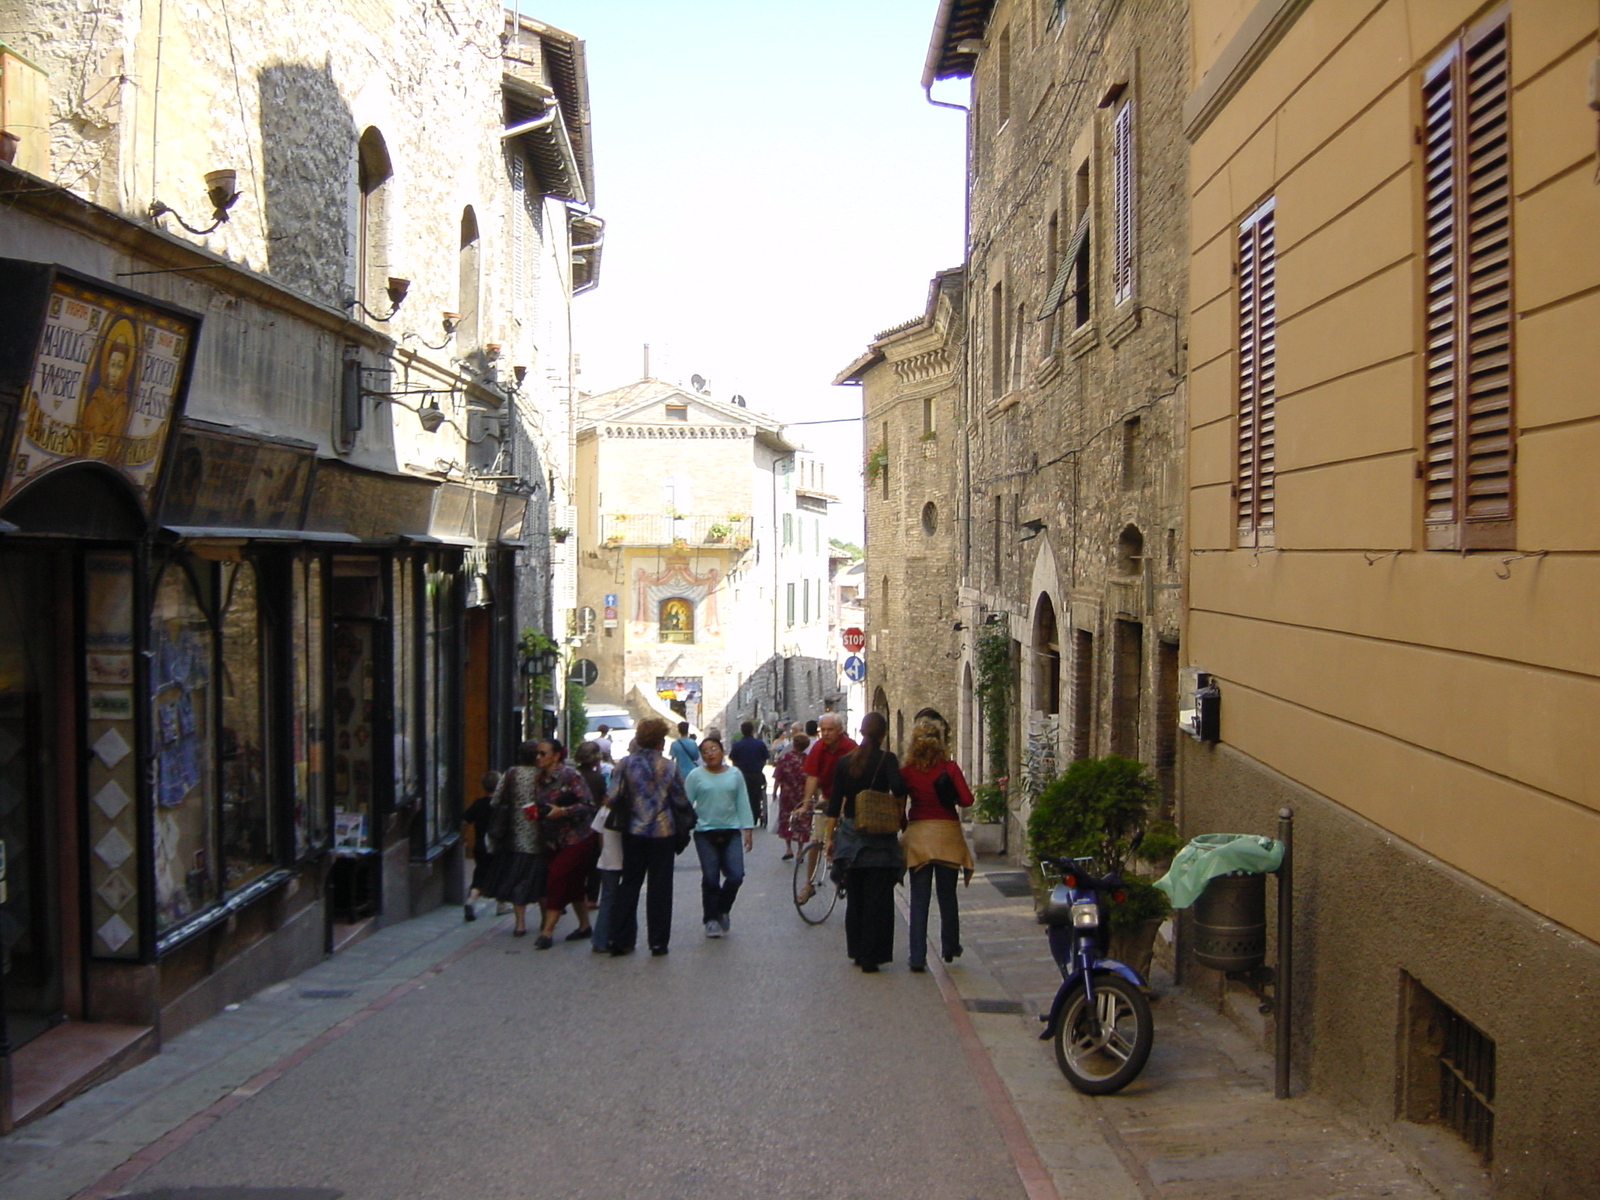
(219, 190)
(1031, 530)
(430, 416)
(449, 320)
(992, 619)
(957, 627)
(520, 372)
(397, 290)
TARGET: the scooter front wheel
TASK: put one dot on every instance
(1101, 1051)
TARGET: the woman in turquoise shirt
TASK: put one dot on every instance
(722, 834)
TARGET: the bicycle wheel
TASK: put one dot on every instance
(814, 893)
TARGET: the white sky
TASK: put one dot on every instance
(776, 191)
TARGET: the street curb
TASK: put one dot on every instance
(1036, 1178)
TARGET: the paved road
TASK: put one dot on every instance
(757, 1065)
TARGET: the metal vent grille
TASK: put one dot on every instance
(1466, 1082)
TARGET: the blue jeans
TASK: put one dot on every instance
(721, 870)
(601, 922)
(924, 880)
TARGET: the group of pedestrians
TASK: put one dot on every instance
(590, 836)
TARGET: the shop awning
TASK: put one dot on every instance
(201, 532)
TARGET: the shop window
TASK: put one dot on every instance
(248, 841)
(441, 689)
(677, 618)
(355, 606)
(180, 665)
(403, 581)
(307, 744)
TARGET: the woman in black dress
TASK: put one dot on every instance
(872, 863)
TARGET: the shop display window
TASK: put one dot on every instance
(355, 610)
(404, 586)
(441, 740)
(248, 842)
(182, 651)
(310, 708)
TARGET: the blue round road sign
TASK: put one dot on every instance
(855, 668)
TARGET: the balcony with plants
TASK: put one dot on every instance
(698, 530)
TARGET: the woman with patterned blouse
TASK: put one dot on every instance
(789, 778)
(565, 805)
(644, 788)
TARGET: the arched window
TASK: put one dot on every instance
(467, 288)
(1130, 551)
(677, 620)
(930, 518)
(880, 701)
(1046, 658)
(373, 172)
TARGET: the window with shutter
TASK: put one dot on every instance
(1470, 449)
(1122, 186)
(1258, 371)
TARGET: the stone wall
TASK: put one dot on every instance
(1074, 523)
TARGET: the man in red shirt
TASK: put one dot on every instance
(831, 745)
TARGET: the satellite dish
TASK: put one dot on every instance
(739, 400)
(699, 382)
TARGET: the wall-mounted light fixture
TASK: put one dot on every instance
(448, 320)
(1031, 530)
(397, 290)
(219, 190)
(957, 627)
(992, 619)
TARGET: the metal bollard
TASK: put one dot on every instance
(1284, 976)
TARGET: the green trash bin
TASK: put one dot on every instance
(1224, 876)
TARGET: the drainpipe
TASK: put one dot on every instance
(539, 122)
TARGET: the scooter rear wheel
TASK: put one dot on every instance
(1106, 1060)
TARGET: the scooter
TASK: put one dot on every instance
(1100, 1019)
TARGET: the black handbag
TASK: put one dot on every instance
(498, 834)
(684, 819)
(944, 790)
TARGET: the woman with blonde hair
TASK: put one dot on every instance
(934, 846)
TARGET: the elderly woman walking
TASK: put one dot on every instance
(872, 862)
(934, 846)
(789, 780)
(566, 809)
(519, 874)
(645, 787)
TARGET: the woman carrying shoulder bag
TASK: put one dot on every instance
(866, 843)
(934, 846)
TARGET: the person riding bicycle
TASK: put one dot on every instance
(822, 759)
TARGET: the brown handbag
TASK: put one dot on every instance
(878, 812)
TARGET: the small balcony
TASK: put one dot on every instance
(662, 529)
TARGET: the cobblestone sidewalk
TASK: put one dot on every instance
(1200, 1123)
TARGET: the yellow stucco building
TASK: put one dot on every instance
(1394, 519)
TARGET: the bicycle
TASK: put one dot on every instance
(815, 893)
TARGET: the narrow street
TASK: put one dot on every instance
(440, 1059)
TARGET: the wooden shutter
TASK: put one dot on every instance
(1470, 446)
(1122, 203)
(1258, 376)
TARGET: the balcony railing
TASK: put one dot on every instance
(661, 529)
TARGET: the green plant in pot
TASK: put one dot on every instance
(989, 802)
(1105, 809)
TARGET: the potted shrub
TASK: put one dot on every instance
(1105, 809)
(718, 532)
(560, 533)
(988, 817)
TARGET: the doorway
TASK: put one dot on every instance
(38, 824)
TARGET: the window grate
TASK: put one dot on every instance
(1466, 1082)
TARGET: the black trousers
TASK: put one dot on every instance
(644, 859)
(869, 914)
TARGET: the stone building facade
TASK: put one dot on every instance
(1071, 531)
(284, 396)
(910, 389)
(1395, 283)
(703, 543)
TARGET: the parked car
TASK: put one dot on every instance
(619, 720)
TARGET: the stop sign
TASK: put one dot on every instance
(854, 640)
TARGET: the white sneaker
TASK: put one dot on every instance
(713, 929)
(724, 922)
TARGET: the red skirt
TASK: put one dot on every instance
(569, 867)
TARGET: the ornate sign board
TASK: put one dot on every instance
(88, 373)
(219, 477)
